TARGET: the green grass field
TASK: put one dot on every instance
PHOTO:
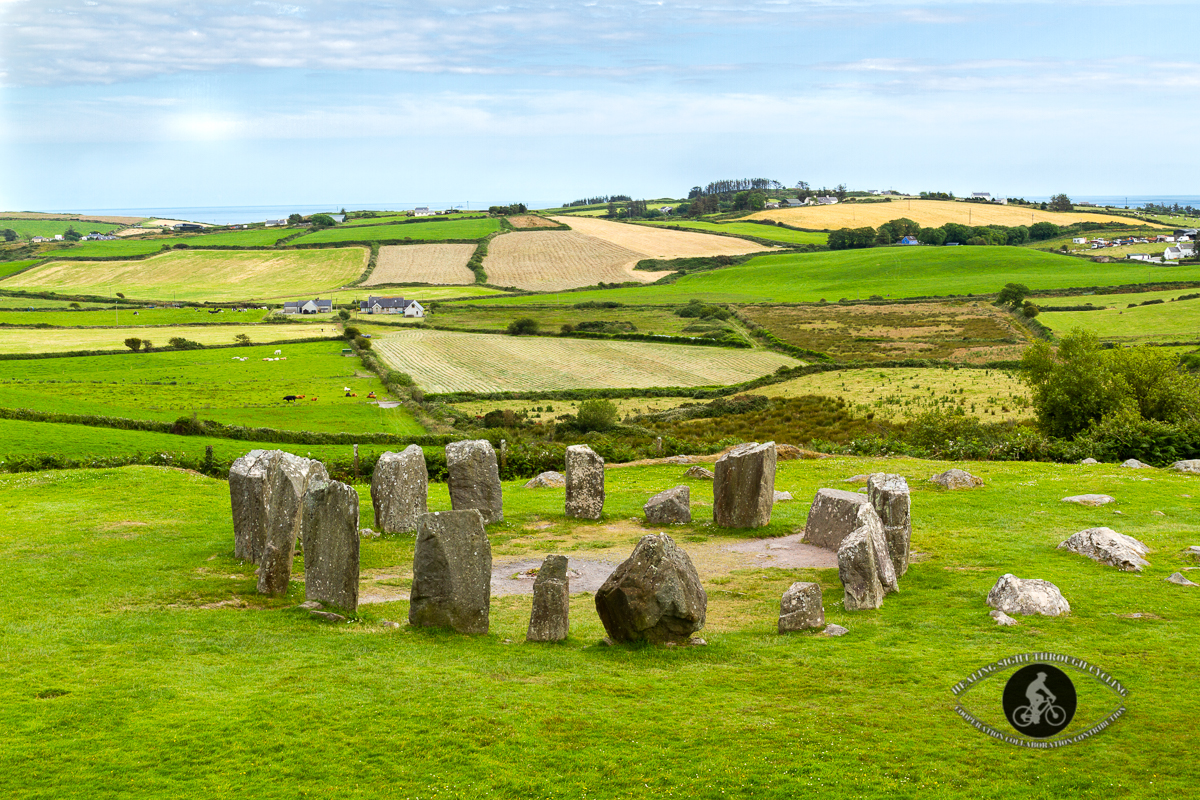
(64, 340)
(1167, 322)
(644, 319)
(887, 272)
(117, 247)
(212, 384)
(54, 227)
(254, 237)
(124, 316)
(1119, 300)
(423, 231)
(772, 232)
(385, 218)
(10, 267)
(121, 670)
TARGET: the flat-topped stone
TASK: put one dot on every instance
(744, 486)
(452, 572)
(1014, 595)
(669, 507)
(399, 490)
(585, 483)
(1089, 499)
(1191, 465)
(1109, 547)
(1133, 463)
(474, 479)
(549, 619)
(956, 479)
(800, 608)
(547, 480)
(833, 515)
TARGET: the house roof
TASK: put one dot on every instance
(386, 302)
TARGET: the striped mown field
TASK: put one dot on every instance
(444, 264)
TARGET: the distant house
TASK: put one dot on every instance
(1141, 257)
(1079, 240)
(316, 306)
(1172, 254)
(98, 237)
(275, 223)
(665, 210)
(826, 201)
(793, 202)
(187, 226)
(391, 305)
(909, 240)
(39, 239)
(772, 204)
(423, 211)
(981, 196)
(338, 218)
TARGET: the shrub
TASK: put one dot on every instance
(596, 415)
(133, 343)
(399, 378)
(243, 339)
(526, 326)
(351, 332)
(180, 343)
(363, 344)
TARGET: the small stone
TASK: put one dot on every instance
(696, 641)
(367, 533)
(801, 608)
(1109, 547)
(585, 483)
(1191, 465)
(1157, 514)
(1014, 595)
(789, 452)
(700, 473)
(744, 486)
(327, 616)
(474, 479)
(399, 490)
(387, 623)
(1193, 551)
(833, 629)
(310, 605)
(1178, 579)
(1089, 461)
(670, 507)
(1133, 463)
(547, 480)
(1002, 618)
(956, 479)
(858, 478)
(607, 641)
(782, 497)
(1089, 499)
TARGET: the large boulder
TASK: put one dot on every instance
(744, 486)
(547, 480)
(834, 515)
(801, 608)
(585, 483)
(549, 621)
(1109, 547)
(956, 479)
(1089, 499)
(330, 535)
(287, 479)
(655, 595)
(1191, 465)
(474, 479)
(864, 565)
(399, 490)
(669, 507)
(1014, 595)
(889, 496)
(452, 572)
(248, 498)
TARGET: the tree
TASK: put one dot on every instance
(9, 235)
(1060, 202)
(75, 306)
(243, 339)
(850, 238)
(525, 326)
(72, 235)
(1040, 231)
(350, 332)
(1030, 310)
(343, 315)
(147, 345)
(120, 295)
(295, 219)
(1012, 295)
(596, 415)
(362, 342)
(839, 191)
(133, 343)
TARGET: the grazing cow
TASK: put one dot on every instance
(314, 399)
(290, 398)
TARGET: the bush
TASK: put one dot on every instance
(243, 339)
(133, 343)
(363, 344)
(399, 378)
(525, 326)
(596, 415)
(351, 332)
(180, 343)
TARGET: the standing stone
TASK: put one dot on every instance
(474, 479)
(1014, 595)
(801, 608)
(330, 535)
(1109, 547)
(585, 483)
(549, 621)
(288, 477)
(744, 486)
(890, 498)
(247, 496)
(399, 490)
(452, 572)
(834, 515)
(864, 565)
(670, 507)
(655, 595)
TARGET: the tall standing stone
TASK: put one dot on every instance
(655, 595)
(859, 571)
(247, 496)
(585, 483)
(549, 621)
(452, 572)
(400, 490)
(890, 498)
(744, 486)
(474, 479)
(329, 531)
(288, 477)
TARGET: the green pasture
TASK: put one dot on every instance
(1166, 322)
(1116, 300)
(772, 232)
(888, 272)
(54, 227)
(213, 384)
(251, 237)
(10, 267)
(551, 318)
(209, 332)
(117, 247)
(18, 303)
(125, 316)
(384, 219)
(421, 231)
(140, 662)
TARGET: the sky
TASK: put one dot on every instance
(156, 104)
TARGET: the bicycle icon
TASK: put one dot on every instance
(1028, 716)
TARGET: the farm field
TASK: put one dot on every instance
(423, 263)
(52, 227)
(159, 642)
(1166, 322)
(966, 332)
(426, 231)
(446, 361)
(899, 394)
(551, 261)
(658, 243)
(401, 216)
(547, 410)
(889, 272)
(9, 267)
(212, 384)
(128, 317)
(643, 319)
(253, 237)
(116, 248)
(63, 340)
(1116, 300)
(929, 213)
(773, 232)
(532, 221)
(217, 275)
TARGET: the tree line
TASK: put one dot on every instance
(598, 200)
(951, 233)
(731, 186)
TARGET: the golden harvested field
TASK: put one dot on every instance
(660, 243)
(444, 264)
(446, 361)
(532, 221)
(61, 340)
(550, 261)
(219, 275)
(929, 213)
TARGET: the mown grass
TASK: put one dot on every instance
(1119, 300)
(117, 247)
(68, 340)
(418, 231)
(772, 232)
(255, 237)
(123, 315)
(213, 385)
(401, 217)
(54, 227)
(118, 681)
(9, 267)
(888, 272)
(1166, 322)
(644, 319)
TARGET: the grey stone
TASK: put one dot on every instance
(367, 533)
(1133, 463)
(1178, 579)
(474, 479)
(547, 480)
(655, 595)
(700, 473)
(400, 490)
(890, 498)
(782, 497)
(1109, 547)
(549, 621)
(833, 515)
(585, 483)
(1193, 551)
(330, 535)
(862, 478)
(248, 498)
(310, 605)
(697, 641)
(452, 572)
(801, 608)
(327, 616)
(1002, 618)
(1089, 499)
(1014, 595)
(833, 629)
(956, 479)
(1191, 465)
(670, 507)
(864, 566)
(287, 479)
(1089, 461)
(744, 486)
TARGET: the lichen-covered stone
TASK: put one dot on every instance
(452, 572)
(547, 480)
(744, 486)
(474, 479)
(655, 595)
(1109, 547)
(585, 483)
(669, 507)
(400, 490)
(330, 535)
(956, 479)
(800, 608)
(1190, 465)
(549, 620)
(864, 566)
(834, 515)
(700, 473)
(248, 498)
(1089, 499)
(287, 479)
(889, 496)
(1133, 463)
(1014, 595)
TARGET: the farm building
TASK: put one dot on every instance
(316, 306)
(1079, 240)
(423, 211)
(793, 202)
(338, 218)
(391, 305)
(826, 201)
(909, 240)
(275, 223)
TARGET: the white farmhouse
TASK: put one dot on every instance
(391, 305)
